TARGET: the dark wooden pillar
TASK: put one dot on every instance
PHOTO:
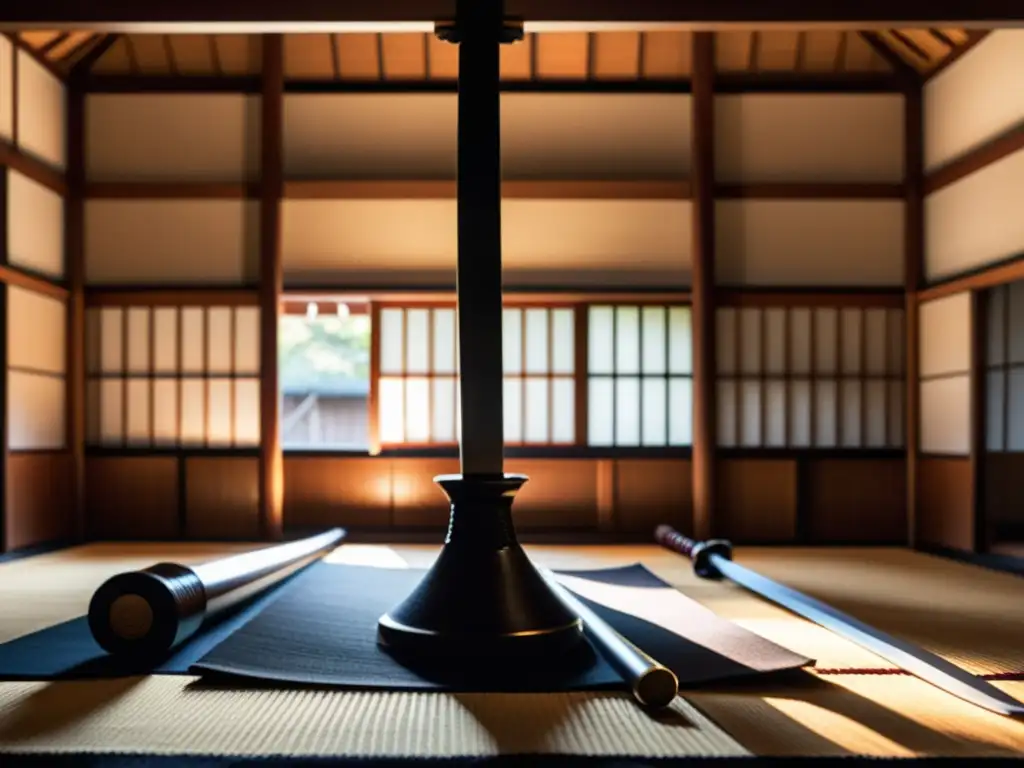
(702, 181)
(913, 275)
(74, 264)
(271, 275)
(478, 280)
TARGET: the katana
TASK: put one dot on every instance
(713, 560)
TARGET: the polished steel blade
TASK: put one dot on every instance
(917, 661)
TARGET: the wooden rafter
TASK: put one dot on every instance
(893, 59)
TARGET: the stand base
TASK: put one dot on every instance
(482, 597)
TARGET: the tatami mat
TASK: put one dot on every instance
(973, 616)
(178, 715)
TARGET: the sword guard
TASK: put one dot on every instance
(702, 553)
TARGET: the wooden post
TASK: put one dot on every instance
(478, 277)
(74, 265)
(979, 425)
(702, 185)
(913, 268)
(271, 472)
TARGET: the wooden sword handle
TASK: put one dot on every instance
(700, 552)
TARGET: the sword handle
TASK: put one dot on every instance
(700, 552)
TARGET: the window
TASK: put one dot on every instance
(810, 377)
(324, 364)
(1004, 361)
(173, 376)
(639, 370)
(418, 385)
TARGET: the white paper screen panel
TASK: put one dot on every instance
(172, 137)
(35, 411)
(214, 242)
(946, 415)
(945, 336)
(583, 243)
(418, 363)
(809, 242)
(975, 221)
(1004, 360)
(36, 332)
(41, 112)
(974, 100)
(543, 135)
(173, 376)
(809, 138)
(6, 88)
(806, 377)
(639, 367)
(35, 226)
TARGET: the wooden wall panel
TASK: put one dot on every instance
(976, 221)
(945, 505)
(35, 227)
(222, 497)
(561, 493)
(416, 500)
(171, 242)
(6, 89)
(944, 366)
(757, 500)
(325, 491)
(651, 492)
(543, 135)
(855, 500)
(809, 242)
(1003, 473)
(41, 113)
(577, 243)
(975, 99)
(809, 138)
(172, 137)
(38, 504)
(134, 498)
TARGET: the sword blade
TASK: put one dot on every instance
(917, 661)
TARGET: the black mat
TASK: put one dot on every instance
(322, 630)
(68, 651)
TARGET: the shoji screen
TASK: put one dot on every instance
(418, 364)
(1004, 360)
(945, 365)
(810, 377)
(36, 359)
(169, 376)
(640, 371)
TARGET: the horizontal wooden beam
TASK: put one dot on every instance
(809, 191)
(891, 298)
(990, 152)
(271, 15)
(13, 158)
(725, 83)
(15, 277)
(171, 296)
(534, 189)
(999, 274)
(513, 295)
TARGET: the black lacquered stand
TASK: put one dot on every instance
(483, 597)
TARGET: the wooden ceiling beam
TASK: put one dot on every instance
(899, 65)
(84, 65)
(192, 15)
(732, 82)
(976, 36)
(536, 189)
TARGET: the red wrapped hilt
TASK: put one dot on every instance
(672, 539)
(700, 552)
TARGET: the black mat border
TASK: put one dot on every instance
(94, 760)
